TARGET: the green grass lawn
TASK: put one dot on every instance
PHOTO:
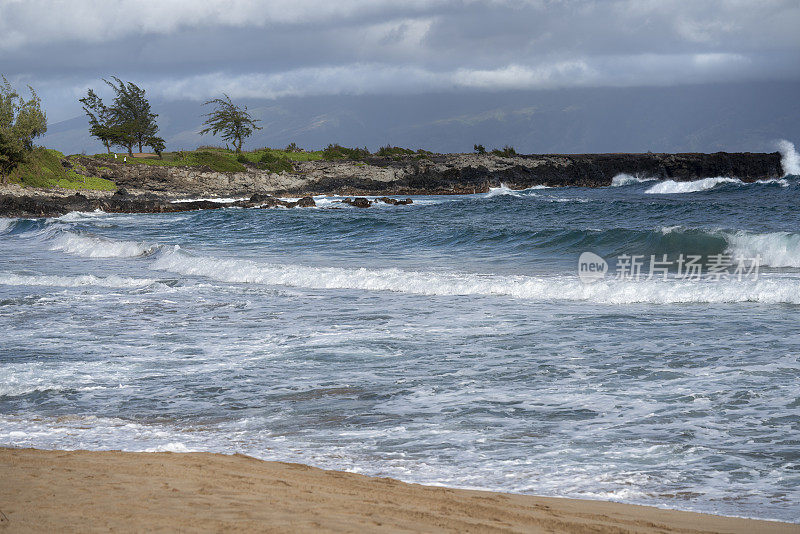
(44, 169)
(222, 160)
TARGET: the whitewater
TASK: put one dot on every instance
(450, 341)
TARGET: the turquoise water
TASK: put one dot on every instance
(447, 342)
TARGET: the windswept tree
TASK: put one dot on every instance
(21, 121)
(156, 143)
(101, 120)
(128, 122)
(131, 114)
(234, 124)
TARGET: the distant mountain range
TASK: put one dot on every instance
(698, 118)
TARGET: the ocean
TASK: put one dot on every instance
(454, 341)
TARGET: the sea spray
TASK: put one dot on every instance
(790, 159)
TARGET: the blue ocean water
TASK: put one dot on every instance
(446, 342)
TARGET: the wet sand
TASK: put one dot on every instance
(82, 491)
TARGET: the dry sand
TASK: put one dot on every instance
(80, 491)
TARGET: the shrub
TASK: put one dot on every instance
(480, 149)
(507, 152)
(273, 163)
(337, 151)
(216, 162)
(49, 168)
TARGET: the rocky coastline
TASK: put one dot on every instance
(154, 189)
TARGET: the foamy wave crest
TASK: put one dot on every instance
(502, 190)
(669, 187)
(563, 288)
(218, 200)
(623, 179)
(98, 247)
(773, 181)
(790, 160)
(11, 279)
(776, 249)
(505, 190)
(75, 216)
(6, 225)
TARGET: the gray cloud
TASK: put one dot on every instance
(197, 49)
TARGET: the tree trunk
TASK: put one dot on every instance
(140, 147)
(130, 150)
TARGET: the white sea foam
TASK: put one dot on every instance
(774, 181)
(173, 446)
(502, 190)
(226, 200)
(555, 288)
(98, 247)
(76, 216)
(790, 160)
(668, 187)
(776, 249)
(505, 190)
(114, 281)
(560, 199)
(623, 179)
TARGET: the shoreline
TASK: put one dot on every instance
(43, 490)
(143, 188)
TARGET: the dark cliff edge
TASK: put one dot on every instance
(156, 185)
(446, 176)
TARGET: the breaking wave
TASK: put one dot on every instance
(790, 160)
(98, 247)
(505, 190)
(6, 225)
(554, 288)
(502, 190)
(669, 187)
(77, 216)
(623, 179)
(776, 249)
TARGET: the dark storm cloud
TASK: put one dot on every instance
(197, 49)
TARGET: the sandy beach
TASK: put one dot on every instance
(82, 491)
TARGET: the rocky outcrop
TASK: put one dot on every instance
(358, 202)
(468, 173)
(159, 186)
(438, 173)
(124, 202)
(394, 201)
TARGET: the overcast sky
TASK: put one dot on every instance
(197, 49)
